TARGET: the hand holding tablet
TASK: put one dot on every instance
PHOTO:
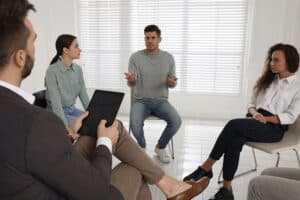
(104, 105)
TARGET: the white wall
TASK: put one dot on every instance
(51, 19)
(271, 21)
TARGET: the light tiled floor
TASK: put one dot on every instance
(192, 145)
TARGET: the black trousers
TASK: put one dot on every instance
(236, 133)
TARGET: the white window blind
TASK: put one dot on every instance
(206, 38)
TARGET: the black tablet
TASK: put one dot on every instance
(103, 105)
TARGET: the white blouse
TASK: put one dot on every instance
(282, 98)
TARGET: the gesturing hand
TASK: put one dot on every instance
(171, 81)
(131, 77)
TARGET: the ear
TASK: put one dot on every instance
(65, 50)
(160, 38)
(19, 58)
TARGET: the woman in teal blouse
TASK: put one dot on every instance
(64, 80)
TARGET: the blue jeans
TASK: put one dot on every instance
(71, 113)
(161, 108)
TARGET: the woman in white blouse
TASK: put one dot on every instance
(275, 104)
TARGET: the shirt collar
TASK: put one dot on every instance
(288, 79)
(27, 96)
(291, 78)
(63, 67)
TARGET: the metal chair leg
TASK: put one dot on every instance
(242, 173)
(278, 159)
(171, 149)
(297, 155)
(219, 177)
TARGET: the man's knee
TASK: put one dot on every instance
(254, 188)
(268, 171)
(175, 121)
(136, 126)
(124, 172)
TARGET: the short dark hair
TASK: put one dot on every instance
(15, 8)
(13, 32)
(13, 36)
(153, 28)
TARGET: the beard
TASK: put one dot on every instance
(28, 66)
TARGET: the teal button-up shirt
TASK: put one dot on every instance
(63, 87)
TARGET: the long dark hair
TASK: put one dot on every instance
(292, 60)
(62, 41)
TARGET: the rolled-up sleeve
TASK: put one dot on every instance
(252, 103)
(291, 114)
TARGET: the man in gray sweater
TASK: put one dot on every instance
(151, 73)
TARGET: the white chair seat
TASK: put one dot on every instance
(288, 142)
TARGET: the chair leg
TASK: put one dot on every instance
(242, 173)
(129, 128)
(172, 147)
(278, 159)
(297, 155)
(219, 177)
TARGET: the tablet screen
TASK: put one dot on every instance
(103, 105)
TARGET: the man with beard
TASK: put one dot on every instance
(27, 171)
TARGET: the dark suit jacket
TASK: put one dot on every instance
(38, 162)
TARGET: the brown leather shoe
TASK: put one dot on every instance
(197, 188)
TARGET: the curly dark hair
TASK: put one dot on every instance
(292, 59)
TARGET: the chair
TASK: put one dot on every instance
(151, 117)
(40, 99)
(289, 142)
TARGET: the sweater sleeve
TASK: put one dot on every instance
(172, 72)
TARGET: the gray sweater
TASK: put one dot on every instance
(152, 72)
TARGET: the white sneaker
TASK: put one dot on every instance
(162, 155)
